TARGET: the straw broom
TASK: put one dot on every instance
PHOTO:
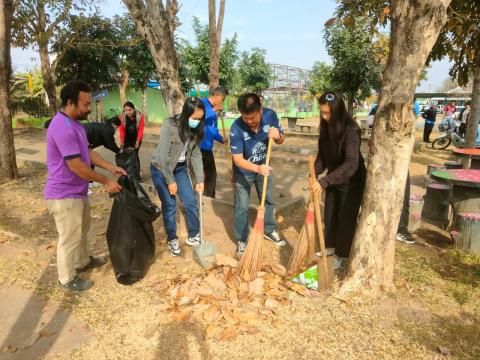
(251, 261)
(322, 262)
(304, 249)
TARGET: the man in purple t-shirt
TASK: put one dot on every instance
(69, 172)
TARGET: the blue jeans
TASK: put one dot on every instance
(243, 184)
(169, 202)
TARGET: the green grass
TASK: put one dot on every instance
(448, 285)
(30, 122)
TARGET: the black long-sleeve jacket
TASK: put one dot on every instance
(101, 134)
(349, 167)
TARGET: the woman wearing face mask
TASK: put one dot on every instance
(177, 151)
(339, 154)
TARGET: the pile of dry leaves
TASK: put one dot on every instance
(226, 305)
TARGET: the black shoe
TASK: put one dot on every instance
(95, 262)
(275, 238)
(77, 284)
(406, 237)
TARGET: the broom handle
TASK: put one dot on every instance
(223, 125)
(265, 178)
(227, 151)
(318, 217)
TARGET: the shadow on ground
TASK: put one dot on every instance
(182, 341)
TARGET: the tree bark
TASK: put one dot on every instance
(157, 22)
(144, 103)
(122, 87)
(215, 40)
(474, 118)
(414, 30)
(99, 110)
(8, 163)
(350, 107)
(47, 73)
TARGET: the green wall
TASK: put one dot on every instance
(157, 110)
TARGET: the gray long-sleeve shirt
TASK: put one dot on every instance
(169, 149)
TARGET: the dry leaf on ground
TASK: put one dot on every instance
(256, 286)
(226, 260)
(229, 334)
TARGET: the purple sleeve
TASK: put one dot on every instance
(67, 142)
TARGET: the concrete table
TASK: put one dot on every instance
(465, 192)
(292, 121)
(473, 154)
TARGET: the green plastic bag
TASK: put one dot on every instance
(308, 278)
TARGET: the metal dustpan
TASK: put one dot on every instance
(205, 253)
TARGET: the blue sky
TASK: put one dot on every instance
(290, 31)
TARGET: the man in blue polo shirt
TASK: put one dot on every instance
(248, 142)
(211, 134)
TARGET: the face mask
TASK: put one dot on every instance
(193, 123)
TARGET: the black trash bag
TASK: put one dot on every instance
(127, 159)
(130, 236)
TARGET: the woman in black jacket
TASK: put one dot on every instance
(339, 154)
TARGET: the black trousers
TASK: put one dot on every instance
(342, 204)
(403, 224)
(210, 171)
(427, 130)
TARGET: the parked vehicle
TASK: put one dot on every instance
(452, 136)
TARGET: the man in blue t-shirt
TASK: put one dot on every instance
(248, 143)
(211, 134)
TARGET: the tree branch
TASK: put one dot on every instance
(172, 11)
(221, 14)
(60, 18)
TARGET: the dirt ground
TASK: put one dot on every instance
(434, 312)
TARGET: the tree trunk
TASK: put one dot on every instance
(122, 87)
(157, 22)
(415, 28)
(8, 164)
(474, 118)
(48, 77)
(350, 107)
(144, 103)
(99, 110)
(215, 37)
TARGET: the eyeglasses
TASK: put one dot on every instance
(330, 97)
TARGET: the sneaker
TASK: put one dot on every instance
(337, 261)
(95, 262)
(174, 247)
(241, 246)
(329, 251)
(274, 237)
(406, 237)
(194, 240)
(77, 284)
